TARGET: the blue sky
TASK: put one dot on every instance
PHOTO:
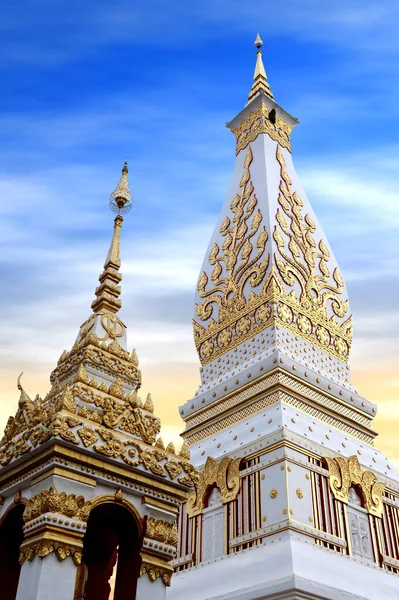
(88, 84)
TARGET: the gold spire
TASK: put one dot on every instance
(121, 198)
(260, 79)
(109, 289)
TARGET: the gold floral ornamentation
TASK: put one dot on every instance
(241, 261)
(156, 569)
(263, 313)
(52, 501)
(259, 122)
(299, 493)
(224, 474)
(61, 426)
(273, 494)
(113, 447)
(304, 324)
(347, 472)
(302, 262)
(87, 435)
(162, 531)
(43, 548)
(173, 468)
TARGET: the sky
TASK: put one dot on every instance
(87, 85)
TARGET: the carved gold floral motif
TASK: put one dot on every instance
(224, 474)
(162, 531)
(43, 548)
(259, 122)
(241, 261)
(53, 501)
(156, 568)
(303, 262)
(347, 472)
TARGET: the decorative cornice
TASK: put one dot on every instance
(52, 501)
(347, 472)
(262, 120)
(156, 568)
(44, 547)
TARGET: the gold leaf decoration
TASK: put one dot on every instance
(259, 122)
(346, 472)
(224, 474)
(239, 263)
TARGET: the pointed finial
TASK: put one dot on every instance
(258, 42)
(121, 198)
(108, 291)
(260, 83)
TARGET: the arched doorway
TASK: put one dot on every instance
(112, 542)
(11, 537)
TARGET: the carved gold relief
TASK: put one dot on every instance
(259, 122)
(303, 262)
(224, 474)
(347, 472)
(154, 571)
(43, 548)
(53, 501)
(162, 531)
(312, 306)
(242, 260)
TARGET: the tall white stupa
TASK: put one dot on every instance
(294, 500)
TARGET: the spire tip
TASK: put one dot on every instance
(258, 43)
(121, 198)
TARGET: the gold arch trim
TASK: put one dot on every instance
(347, 472)
(225, 474)
(118, 498)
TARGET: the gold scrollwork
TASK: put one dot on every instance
(242, 260)
(312, 306)
(224, 474)
(304, 262)
(52, 501)
(259, 122)
(43, 548)
(162, 531)
(347, 472)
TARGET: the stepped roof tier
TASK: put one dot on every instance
(92, 445)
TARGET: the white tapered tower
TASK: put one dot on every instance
(293, 500)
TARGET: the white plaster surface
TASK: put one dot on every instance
(47, 579)
(268, 570)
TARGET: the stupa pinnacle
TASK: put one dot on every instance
(87, 487)
(108, 292)
(293, 500)
(260, 79)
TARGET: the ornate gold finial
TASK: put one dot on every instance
(258, 42)
(108, 291)
(121, 198)
(260, 83)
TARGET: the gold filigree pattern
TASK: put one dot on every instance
(242, 260)
(224, 474)
(53, 501)
(312, 306)
(162, 531)
(156, 568)
(258, 122)
(347, 472)
(302, 263)
(43, 548)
